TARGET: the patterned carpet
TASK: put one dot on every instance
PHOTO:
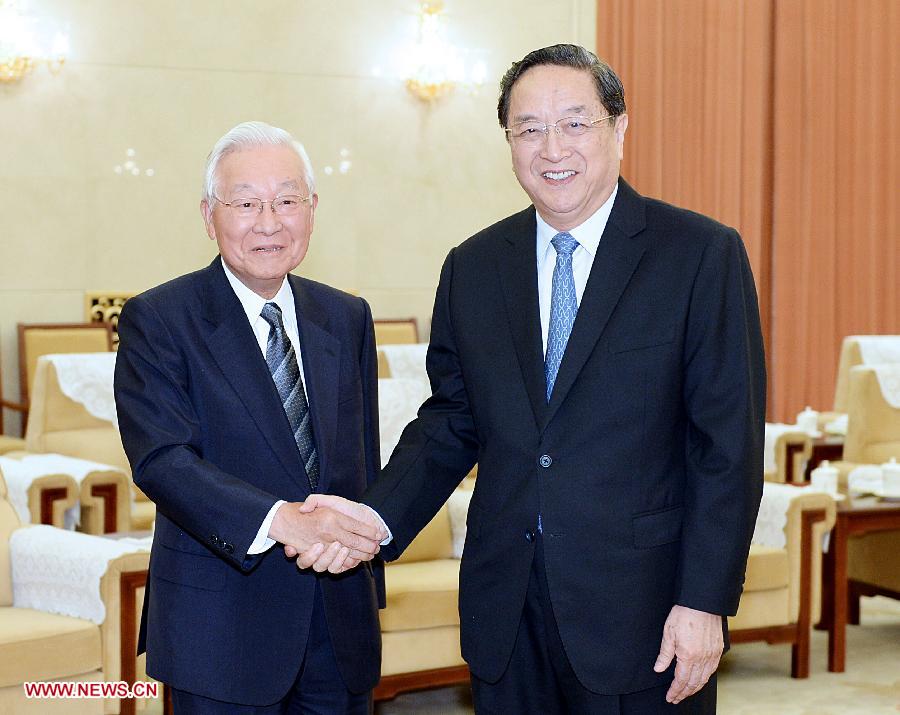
(754, 678)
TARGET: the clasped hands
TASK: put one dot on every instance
(328, 532)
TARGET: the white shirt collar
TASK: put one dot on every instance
(587, 234)
(253, 302)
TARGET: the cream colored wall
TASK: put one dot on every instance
(168, 78)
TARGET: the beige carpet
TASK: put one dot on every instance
(754, 678)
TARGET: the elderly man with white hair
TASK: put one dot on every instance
(241, 390)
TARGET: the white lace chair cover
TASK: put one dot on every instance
(406, 361)
(87, 378)
(398, 402)
(865, 479)
(59, 571)
(875, 349)
(889, 382)
(458, 506)
(772, 517)
(20, 473)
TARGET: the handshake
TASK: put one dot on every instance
(328, 532)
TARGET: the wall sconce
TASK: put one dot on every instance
(26, 42)
(434, 67)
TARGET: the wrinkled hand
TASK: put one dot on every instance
(305, 530)
(694, 639)
(336, 557)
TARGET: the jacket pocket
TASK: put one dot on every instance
(640, 341)
(181, 559)
(656, 528)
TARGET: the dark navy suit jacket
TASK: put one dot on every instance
(210, 444)
(646, 465)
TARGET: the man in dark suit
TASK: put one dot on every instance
(599, 355)
(240, 390)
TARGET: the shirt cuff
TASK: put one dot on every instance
(390, 537)
(263, 542)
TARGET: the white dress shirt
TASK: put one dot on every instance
(588, 236)
(253, 305)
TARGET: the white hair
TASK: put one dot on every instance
(246, 136)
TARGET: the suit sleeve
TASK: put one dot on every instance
(162, 433)
(368, 368)
(724, 397)
(439, 447)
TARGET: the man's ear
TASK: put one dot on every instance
(620, 127)
(206, 212)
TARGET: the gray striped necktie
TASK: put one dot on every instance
(282, 361)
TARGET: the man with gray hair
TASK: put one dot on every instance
(241, 390)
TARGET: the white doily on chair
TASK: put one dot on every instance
(59, 571)
(19, 474)
(87, 378)
(773, 509)
(406, 361)
(399, 400)
(875, 349)
(889, 382)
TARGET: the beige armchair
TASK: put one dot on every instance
(36, 645)
(873, 437)
(792, 451)
(48, 497)
(36, 339)
(401, 331)
(58, 424)
(420, 626)
(7, 442)
(851, 356)
(781, 597)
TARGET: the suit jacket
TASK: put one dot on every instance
(210, 444)
(646, 465)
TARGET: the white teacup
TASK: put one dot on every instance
(808, 420)
(890, 475)
(824, 478)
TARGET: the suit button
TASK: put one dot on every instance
(529, 535)
(545, 460)
(214, 539)
(229, 548)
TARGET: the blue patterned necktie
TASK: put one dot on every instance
(282, 361)
(563, 307)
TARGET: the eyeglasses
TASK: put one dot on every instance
(532, 131)
(281, 205)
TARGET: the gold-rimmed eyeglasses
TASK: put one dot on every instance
(281, 205)
(532, 131)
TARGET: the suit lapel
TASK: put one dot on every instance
(320, 352)
(235, 350)
(517, 267)
(617, 257)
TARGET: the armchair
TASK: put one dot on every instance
(781, 597)
(37, 644)
(59, 424)
(36, 339)
(873, 437)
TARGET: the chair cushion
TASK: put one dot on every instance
(11, 444)
(435, 541)
(43, 646)
(423, 594)
(767, 568)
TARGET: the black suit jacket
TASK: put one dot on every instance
(646, 465)
(210, 444)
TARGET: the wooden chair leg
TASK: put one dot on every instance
(853, 597)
